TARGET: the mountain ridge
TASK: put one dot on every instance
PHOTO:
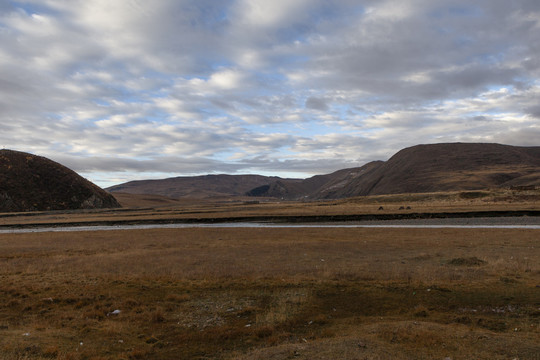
(416, 169)
(440, 167)
(203, 186)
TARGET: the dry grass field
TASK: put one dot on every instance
(271, 293)
(158, 208)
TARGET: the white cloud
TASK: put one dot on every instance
(392, 10)
(227, 79)
(271, 14)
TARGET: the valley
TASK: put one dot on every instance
(247, 292)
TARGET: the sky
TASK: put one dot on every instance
(134, 89)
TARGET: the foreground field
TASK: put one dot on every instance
(298, 293)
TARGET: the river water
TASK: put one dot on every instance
(457, 223)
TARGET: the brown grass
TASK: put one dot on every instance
(270, 294)
(149, 207)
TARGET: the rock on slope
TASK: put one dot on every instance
(34, 183)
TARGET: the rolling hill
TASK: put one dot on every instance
(431, 168)
(456, 166)
(34, 183)
(417, 169)
(196, 187)
(318, 186)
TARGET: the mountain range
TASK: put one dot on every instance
(417, 169)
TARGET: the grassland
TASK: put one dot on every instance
(248, 293)
(272, 293)
(150, 208)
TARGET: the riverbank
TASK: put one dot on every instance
(471, 218)
(524, 223)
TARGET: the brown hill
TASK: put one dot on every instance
(446, 167)
(316, 187)
(421, 168)
(34, 183)
(429, 168)
(198, 187)
(150, 201)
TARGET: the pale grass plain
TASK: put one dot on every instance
(272, 293)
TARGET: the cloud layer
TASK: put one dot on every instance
(134, 89)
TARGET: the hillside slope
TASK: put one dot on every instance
(425, 168)
(34, 183)
(195, 186)
(316, 187)
(454, 166)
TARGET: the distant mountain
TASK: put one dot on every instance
(421, 168)
(197, 187)
(316, 187)
(425, 168)
(34, 183)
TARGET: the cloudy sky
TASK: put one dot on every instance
(132, 89)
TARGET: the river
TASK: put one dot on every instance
(525, 222)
